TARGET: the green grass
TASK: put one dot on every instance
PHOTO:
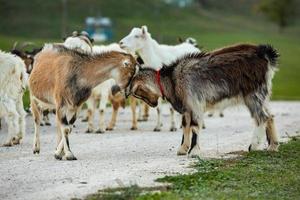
(222, 23)
(256, 175)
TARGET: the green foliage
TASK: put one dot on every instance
(220, 23)
(257, 175)
(280, 12)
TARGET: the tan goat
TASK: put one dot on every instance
(63, 79)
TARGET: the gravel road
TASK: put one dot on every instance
(131, 157)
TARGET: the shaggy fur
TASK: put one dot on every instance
(13, 80)
(239, 74)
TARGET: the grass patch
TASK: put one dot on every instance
(257, 175)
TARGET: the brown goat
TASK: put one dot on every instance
(62, 79)
(240, 74)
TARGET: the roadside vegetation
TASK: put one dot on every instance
(254, 175)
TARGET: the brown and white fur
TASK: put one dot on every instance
(63, 79)
(240, 74)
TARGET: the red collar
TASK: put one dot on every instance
(159, 83)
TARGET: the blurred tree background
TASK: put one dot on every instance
(214, 23)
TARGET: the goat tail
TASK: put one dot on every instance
(268, 52)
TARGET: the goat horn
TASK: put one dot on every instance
(25, 44)
(15, 45)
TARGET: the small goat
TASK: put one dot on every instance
(102, 94)
(154, 55)
(197, 82)
(13, 80)
(73, 76)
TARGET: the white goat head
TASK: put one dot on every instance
(136, 39)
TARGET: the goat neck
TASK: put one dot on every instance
(149, 54)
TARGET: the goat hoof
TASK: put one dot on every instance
(180, 153)
(194, 152)
(7, 144)
(156, 129)
(221, 115)
(183, 150)
(133, 128)
(203, 126)
(109, 128)
(100, 131)
(210, 115)
(70, 156)
(84, 120)
(41, 124)
(89, 131)
(273, 147)
(173, 129)
(15, 140)
(36, 151)
(254, 147)
(48, 124)
(57, 157)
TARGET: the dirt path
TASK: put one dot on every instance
(133, 157)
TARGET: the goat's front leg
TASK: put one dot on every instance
(186, 140)
(102, 106)
(133, 103)
(173, 123)
(197, 125)
(139, 104)
(113, 119)
(91, 106)
(158, 122)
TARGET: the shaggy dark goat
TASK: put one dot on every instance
(195, 83)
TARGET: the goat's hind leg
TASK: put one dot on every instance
(186, 139)
(65, 128)
(21, 112)
(263, 120)
(11, 119)
(272, 136)
(37, 114)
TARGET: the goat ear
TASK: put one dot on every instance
(144, 29)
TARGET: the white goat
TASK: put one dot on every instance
(13, 79)
(155, 55)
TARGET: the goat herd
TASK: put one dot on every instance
(61, 77)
